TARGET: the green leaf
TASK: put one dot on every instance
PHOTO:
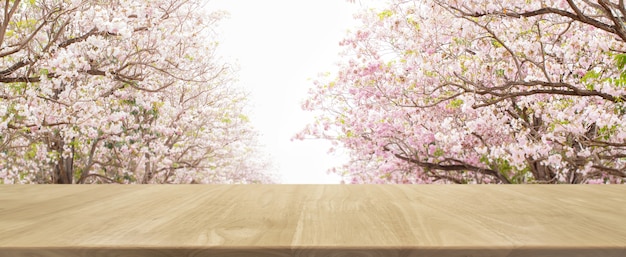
(9, 33)
(32, 152)
(590, 76)
(620, 60)
(496, 44)
(455, 103)
(439, 152)
(385, 14)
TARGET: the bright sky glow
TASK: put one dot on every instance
(280, 46)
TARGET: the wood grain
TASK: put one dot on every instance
(313, 220)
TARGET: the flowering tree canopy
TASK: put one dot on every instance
(119, 92)
(480, 92)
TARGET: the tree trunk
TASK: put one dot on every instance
(542, 173)
(64, 169)
(147, 175)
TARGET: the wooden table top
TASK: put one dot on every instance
(313, 220)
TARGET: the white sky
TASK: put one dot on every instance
(280, 46)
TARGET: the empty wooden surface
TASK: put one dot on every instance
(313, 220)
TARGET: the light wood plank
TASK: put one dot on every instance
(313, 220)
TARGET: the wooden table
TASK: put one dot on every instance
(313, 220)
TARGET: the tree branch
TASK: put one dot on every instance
(578, 16)
(451, 167)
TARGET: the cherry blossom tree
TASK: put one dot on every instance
(120, 92)
(480, 92)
